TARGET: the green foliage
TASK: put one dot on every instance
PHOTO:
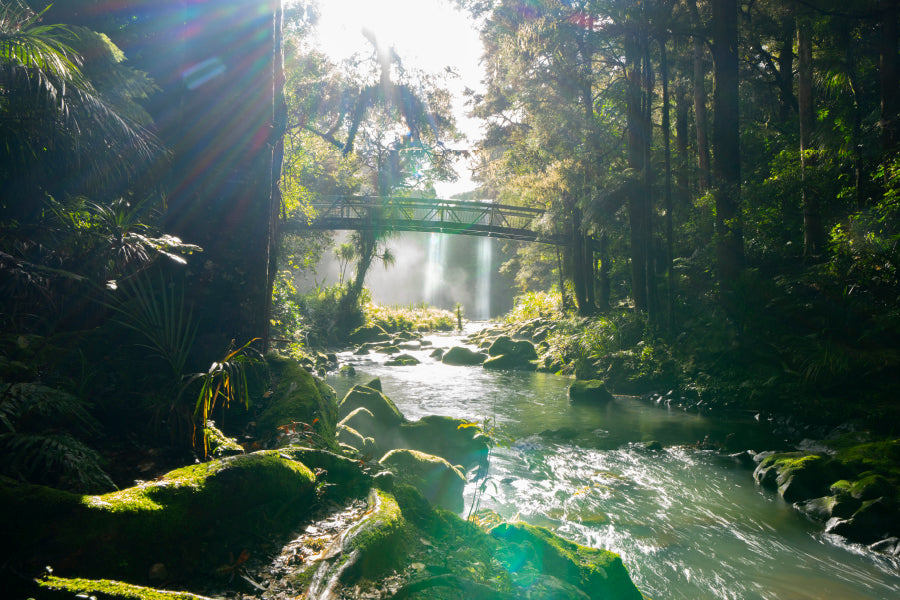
(38, 443)
(533, 305)
(224, 383)
(418, 317)
(161, 317)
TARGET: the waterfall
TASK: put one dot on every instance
(483, 288)
(434, 269)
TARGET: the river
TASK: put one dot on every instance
(689, 523)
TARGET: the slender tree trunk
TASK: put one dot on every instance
(636, 191)
(890, 79)
(667, 150)
(726, 145)
(700, 114)
(604, 272)
(786, 70)
(682, 180)
(813, 236)
(649, 239)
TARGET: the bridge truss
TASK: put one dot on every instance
(428, 215)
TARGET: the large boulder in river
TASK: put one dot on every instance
(507, 353)
(797, 476)
(382, 408)
(439, 481)
(599, 574)
(457, 440)
(459, 355)
(190, 519)
(298, 397)
(591, 391)
(369, 333)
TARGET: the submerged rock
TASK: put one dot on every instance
(589, 391)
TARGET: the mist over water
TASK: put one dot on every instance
(438, 269)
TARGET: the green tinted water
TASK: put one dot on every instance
(688, 523)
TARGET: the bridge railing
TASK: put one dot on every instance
(427, 214)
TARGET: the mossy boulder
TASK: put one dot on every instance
(364, 445)
(190, 519)
(297, 397)
(363, 421)
(797, 476)
(368, 333)
(447, 437)
(402, 360)
(439, 481)
(218, 444)
(600, 574)
(508, 354)
(375, 384)
(874, 520)
(591, 391)
(107, 590)
(382, 408)
(462, 356)
(867, 487)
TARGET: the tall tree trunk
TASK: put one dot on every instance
(786, 70)
(726, 145)
(813, 236)
(636, 192)
(667, 151)
(682, 180)
(223, 174)
(700, 114)
(649, 240)
(890, 79)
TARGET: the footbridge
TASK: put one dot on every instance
(430, 215)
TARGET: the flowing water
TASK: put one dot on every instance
(688, 523)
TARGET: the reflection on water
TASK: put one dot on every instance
(688, 523)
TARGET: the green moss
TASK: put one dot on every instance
(599, 573)
(298, 397)
(111, 590)
(881, 457)
(381, 538)
(383, 409)
(190, 519)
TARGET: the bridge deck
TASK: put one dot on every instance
(428, 215)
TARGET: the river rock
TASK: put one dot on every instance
(362, 420)
(797, 476)
(402, 360)
(520, 356)
(382, 408)
(388, 350)
(369, 333)
(348, 436)
(591, 391)
(598, 573)
(375, 384)
(873, 521)
(447, 437)
(439, 481)
(459, 355)
(437, 353)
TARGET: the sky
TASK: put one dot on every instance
(428, 34)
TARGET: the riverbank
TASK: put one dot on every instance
(347, 515)
(843, 474)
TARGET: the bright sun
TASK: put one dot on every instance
(428, 34)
